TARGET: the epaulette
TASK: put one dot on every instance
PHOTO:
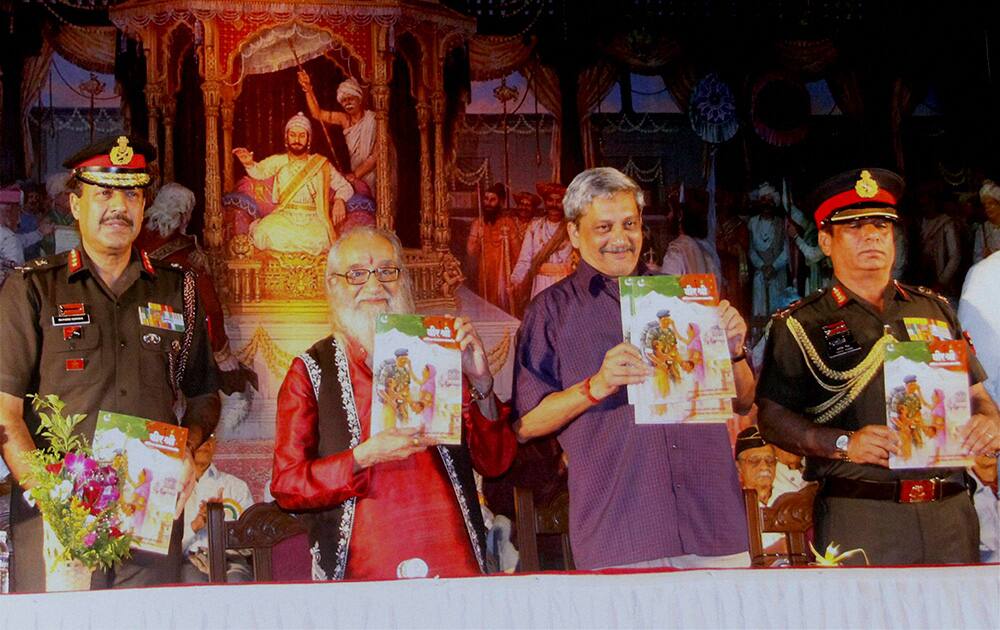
(927, 292)
(797, 304)
(159, 264)
(44, 263)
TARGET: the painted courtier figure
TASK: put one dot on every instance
(768, 251)
(357, 123)
(821, 393)
(309, 193)
(546, 255)
(494, 244)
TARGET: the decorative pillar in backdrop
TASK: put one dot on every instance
(211, 90)
(426, 176)
(168, 107)
(154, 92)
(228, 110)
(384, 215)
(440, 171)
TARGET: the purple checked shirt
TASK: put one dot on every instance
(637, 492)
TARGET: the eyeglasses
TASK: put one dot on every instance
(757, 461)
(360, 276)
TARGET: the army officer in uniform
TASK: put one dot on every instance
(78, 325)
(821, 392)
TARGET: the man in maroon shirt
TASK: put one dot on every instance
(387, 505)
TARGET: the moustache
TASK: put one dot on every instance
(120, 216)
(617, 249)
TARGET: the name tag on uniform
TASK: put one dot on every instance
(74, 314)
(926, 329)
(839, 340)
(161, 316)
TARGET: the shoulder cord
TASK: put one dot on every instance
(853, 381)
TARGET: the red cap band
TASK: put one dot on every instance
(849, 198)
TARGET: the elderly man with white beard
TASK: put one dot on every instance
(395, 504)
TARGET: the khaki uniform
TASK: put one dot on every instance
(891, 533)
(104, 359)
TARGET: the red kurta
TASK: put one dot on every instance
(406, 509)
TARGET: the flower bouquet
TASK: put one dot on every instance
(78, 497)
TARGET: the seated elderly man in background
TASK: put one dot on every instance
(387, 505)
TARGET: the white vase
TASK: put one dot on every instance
(61, 574)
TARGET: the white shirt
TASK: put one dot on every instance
(988, 510)
(236, 497)
(979, 315)
(786, 480)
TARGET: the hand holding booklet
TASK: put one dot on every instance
(927, 402)
(155, 452)
(417, 376)
(675, 323)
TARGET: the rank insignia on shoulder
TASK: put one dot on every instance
(839, 296)
(934, 294)
(39, 262)
(147, 264)
(176, 265)
(968, 340)
(797, 304)
(75, 260)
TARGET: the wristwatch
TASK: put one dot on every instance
(843, 440)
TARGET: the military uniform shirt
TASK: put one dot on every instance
(113, 361)
(788, 381)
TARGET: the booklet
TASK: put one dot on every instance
(714, 409)
(927, 402)
(417, 376)
(155, 452)
(674, 322)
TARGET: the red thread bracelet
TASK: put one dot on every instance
(587, 392)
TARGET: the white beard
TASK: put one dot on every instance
(357, 320)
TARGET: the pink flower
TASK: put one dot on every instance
(80, 466)
(90, 538)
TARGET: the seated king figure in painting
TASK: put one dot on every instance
(308, 192)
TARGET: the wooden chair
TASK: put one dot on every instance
(260, 528)
(551, 520)
(791, 515)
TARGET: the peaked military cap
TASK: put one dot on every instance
(114, 162)
(857, 193)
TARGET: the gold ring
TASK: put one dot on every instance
(416, 442)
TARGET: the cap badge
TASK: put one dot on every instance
(866, 187)
(121, 154)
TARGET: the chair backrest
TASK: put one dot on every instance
(552, 519)
(791, 514)
(260, 528)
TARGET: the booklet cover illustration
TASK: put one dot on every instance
(155, 452)
(674, 322)
(417, 379)
(927, 402)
